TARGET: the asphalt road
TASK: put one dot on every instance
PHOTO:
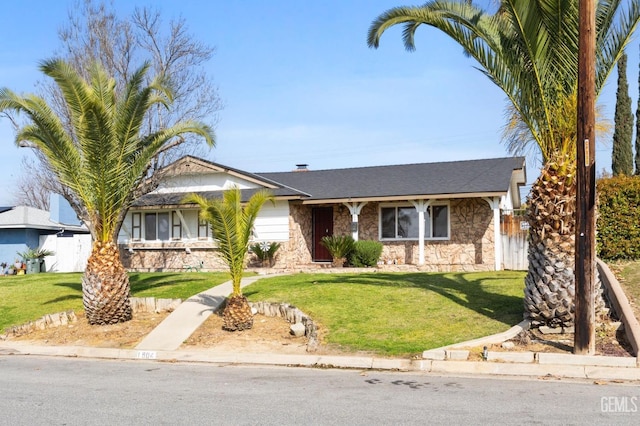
(63, 391)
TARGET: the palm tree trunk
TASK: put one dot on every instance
(237, 315)
(105, 286)
(549, 297)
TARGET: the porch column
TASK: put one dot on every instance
(355, 209)
(494, 203)
(421, 206)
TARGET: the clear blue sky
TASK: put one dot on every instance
(301, 86)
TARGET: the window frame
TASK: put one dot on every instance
(428, 214)
(204, 229)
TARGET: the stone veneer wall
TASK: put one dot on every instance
(471, 247)
(171, 259)
(297, 251)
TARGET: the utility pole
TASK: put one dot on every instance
(584, 337)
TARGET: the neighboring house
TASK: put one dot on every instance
(437, 216)
(59, 230)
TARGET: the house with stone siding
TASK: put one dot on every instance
(436, 216)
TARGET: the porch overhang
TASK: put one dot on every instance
(403, 198)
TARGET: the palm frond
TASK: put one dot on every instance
(105, 154)
(232, 223)
(529, 49)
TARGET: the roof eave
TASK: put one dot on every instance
(405, 197)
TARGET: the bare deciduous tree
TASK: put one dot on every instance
(32, 188)
(95, 33)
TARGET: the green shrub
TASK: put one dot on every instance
(365, 253)
(618, 223)
(266, 252)
(339, 246)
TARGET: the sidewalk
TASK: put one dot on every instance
(163, 344)
(177, 327)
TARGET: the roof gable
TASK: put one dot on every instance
(194, 166)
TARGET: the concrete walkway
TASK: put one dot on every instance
(188, 316)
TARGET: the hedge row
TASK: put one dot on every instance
(618, 218)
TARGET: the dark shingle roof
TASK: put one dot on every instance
(424, 179)
(175, 198)
(455, 177)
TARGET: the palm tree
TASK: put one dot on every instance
(232, 224)
(529, 49)
(102, 159)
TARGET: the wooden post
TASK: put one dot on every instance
(584, 337)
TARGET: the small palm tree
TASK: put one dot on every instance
(101, 158)
(529, 49)
(231, 223)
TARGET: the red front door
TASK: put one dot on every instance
(322, 218)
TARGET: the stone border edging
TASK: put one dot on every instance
(621, 304)
(292, 315)
(44, 322)
(151, 304)
(138, 304)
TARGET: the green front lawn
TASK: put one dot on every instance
(399, 313)
(385, 313)
(28, 297)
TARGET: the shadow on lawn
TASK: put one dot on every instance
(457, 287)
(77, 287)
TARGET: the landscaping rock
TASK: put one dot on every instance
(508, 345)
(297, 329)
(557, 330)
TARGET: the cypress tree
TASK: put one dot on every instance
(622, 155)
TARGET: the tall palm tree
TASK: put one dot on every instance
(232, 223)
(529, 49)
(102, 159)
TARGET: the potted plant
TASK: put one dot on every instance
(339, 247)
(34, 259)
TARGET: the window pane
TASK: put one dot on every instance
(407, 222)
(440, 222)
(163, 226)
(149, 226)
(388, 222)
(427, 223)
(176, 231)
(203, 228)
(135, 226)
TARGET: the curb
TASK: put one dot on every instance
(558, 368)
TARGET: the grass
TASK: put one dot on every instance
(399, 313)
(28, 297)
(385, 313)
(628, 273)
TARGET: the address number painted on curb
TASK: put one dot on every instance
(147, 355)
